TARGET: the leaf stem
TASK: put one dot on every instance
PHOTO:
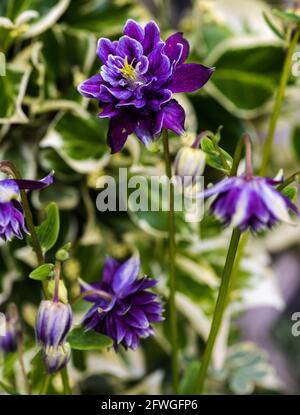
(172, 253)
(278, 102)
(220, 308)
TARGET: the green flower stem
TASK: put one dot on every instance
(65, 381)
(220, 308)
(237, 157)
(278, 102)
(289, 180)
(172, 253)
(9, 168)
(45, 385)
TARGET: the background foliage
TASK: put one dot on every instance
(45, 124)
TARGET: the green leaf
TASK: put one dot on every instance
(38, 369)
(13, 86)
(8, 389)
(272, 26)
(189, 379)
(292, 17)
(246, 76)
(80, 142)
(213, 157)
(88, 340)
(290, 192)
(48, 231)
(42, 272)
(296, 141)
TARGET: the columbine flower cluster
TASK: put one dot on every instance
(127, 317)
(136, 83)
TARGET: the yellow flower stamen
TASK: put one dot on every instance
(128, 70)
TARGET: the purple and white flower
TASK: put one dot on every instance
(12, 220)
(9, 341)
(127, 317)
(250, 202)
(136, 83)
(55, 358)
(53, 323)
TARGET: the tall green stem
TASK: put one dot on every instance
(45, 385)
(220, 308)
(172, 253)
(278, 102)
(65, 381)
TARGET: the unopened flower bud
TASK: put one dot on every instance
(8, 342)
(9, 330)
(53, 323)
(189, 163)
(55, 358)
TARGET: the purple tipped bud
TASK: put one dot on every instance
(56, 358)
(8, 336)
(54, 321)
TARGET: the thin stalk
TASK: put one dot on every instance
(65, 381)
(289, 180)
(99, 293)
(22, 365)
(172, 253)
(220, 309)
(237, 157)
(56, 281)
(247, 142)
(45, 385)
(278, 102)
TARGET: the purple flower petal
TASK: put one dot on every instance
(109, 268)
(189, 77)
(125, 275)
(134, 30)
(151, 38)
(147, 129)
(91, 87)
(129, 48)
(173, 117)
(177, 48)
(105, 47)
(35, 184)
(119, 129)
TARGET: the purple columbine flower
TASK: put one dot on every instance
(127, 317)
(55, 358)
(250, 202)
(11, 212)
(136, 83)
(53, 323)
(9, 341)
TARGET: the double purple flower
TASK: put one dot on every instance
(136, 83)
(11, 212)
(250, 202)
(127, 317)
